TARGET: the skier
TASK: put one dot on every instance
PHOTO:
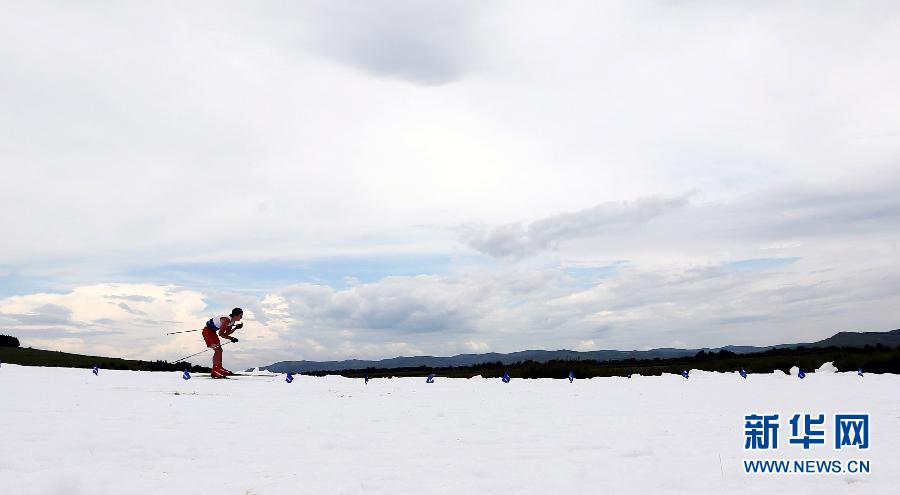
(225, 326)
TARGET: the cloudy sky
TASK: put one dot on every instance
(373, 179)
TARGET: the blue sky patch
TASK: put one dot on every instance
(588, 276)
(334, 272)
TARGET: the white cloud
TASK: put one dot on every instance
(151, 134)
(91, 319)
(586, 345)
(502, 310)
(517, 240)
(207, 129)
(477, 346)
(425, 43)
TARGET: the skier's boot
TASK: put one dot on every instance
(227, 372)
(219, 372)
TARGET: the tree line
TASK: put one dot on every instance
(875, 359)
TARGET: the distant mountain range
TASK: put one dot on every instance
(841, 339)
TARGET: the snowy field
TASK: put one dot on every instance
(66, 431)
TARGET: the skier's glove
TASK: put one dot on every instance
(233, 339)
(238, 326)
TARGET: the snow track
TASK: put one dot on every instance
(66, 431)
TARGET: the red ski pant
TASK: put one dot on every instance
(212, 340)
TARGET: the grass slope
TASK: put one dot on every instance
(37, 357)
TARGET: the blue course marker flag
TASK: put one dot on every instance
(571, 376)
(186, 375)
(685, 374)
(743, 374)
(96, 370)
(430, 378)
(505, 377)
(289, 378)
(800, 373)
(859, 372)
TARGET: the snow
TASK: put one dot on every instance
(258, 372)
(66, 431)
(828, 367)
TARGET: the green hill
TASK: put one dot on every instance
(860, 339)
(37, 357)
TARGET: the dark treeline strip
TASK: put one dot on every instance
(875, 359)
(38, 357)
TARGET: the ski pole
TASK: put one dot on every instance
(184, 331)
(201, 352)
(236, 327)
